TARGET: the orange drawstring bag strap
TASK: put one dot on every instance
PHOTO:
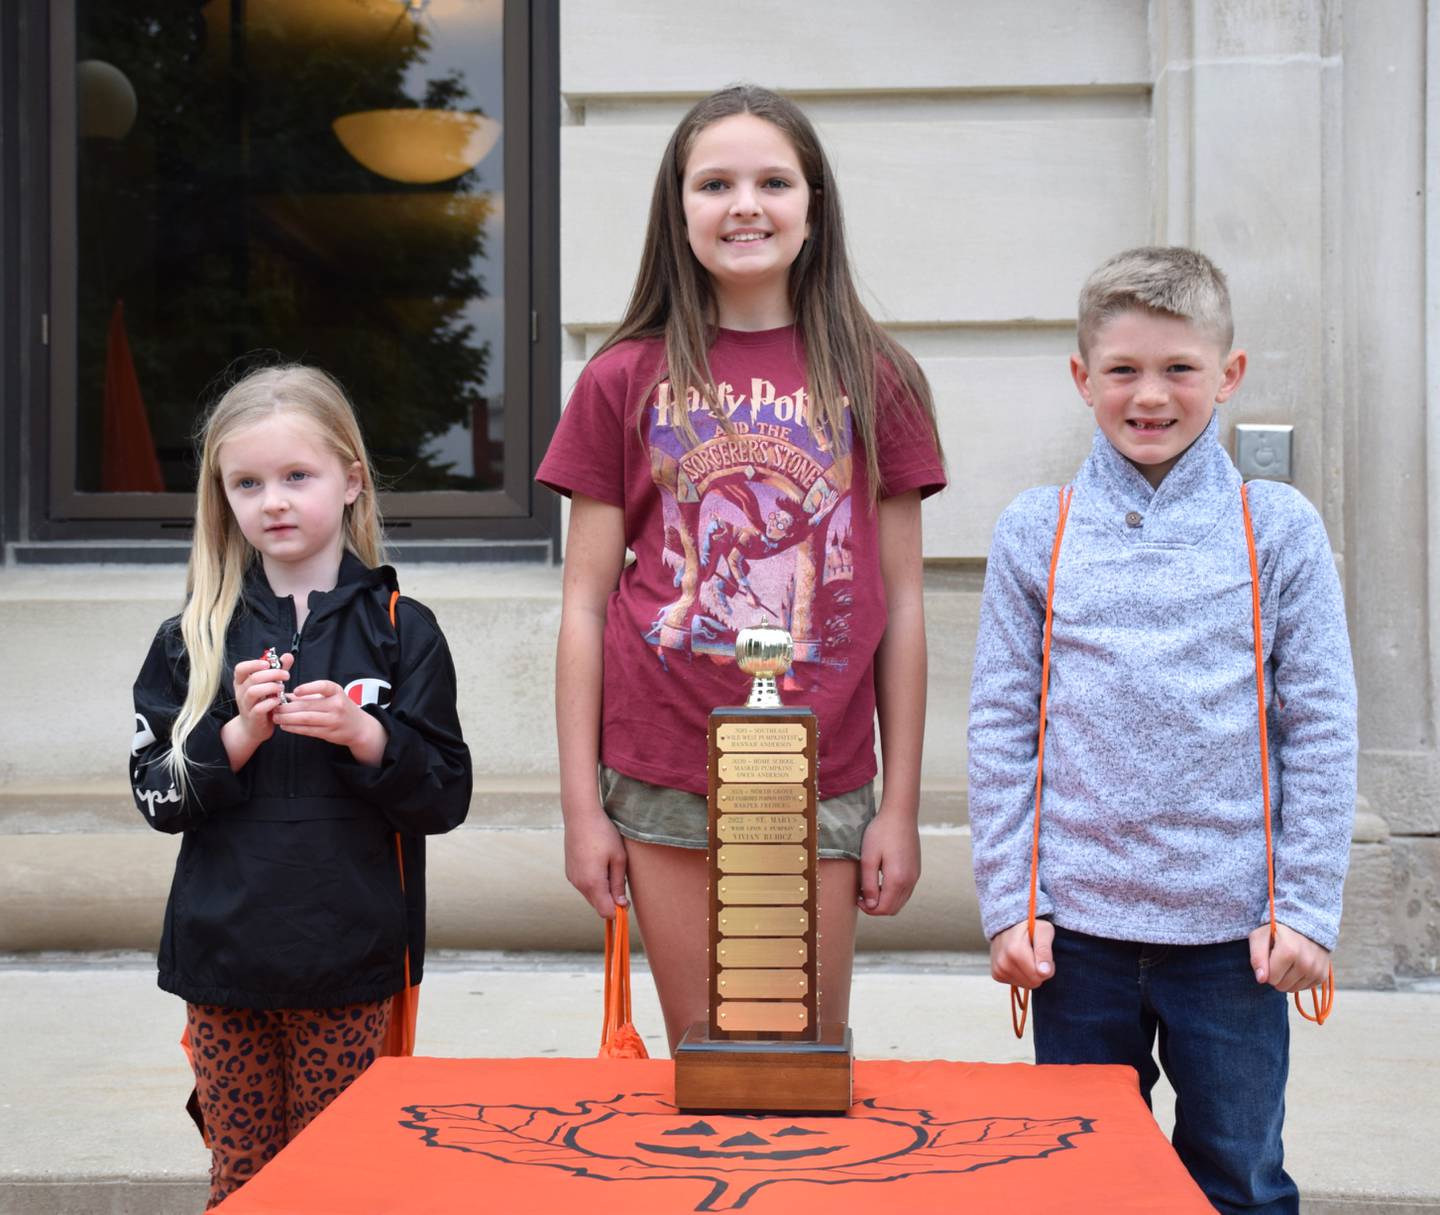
(1322, 996)
(1020, 996)
(405, 1004)
(618, 1037)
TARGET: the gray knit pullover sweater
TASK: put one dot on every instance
(1152, 823)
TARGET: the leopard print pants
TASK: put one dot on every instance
(261, 1075)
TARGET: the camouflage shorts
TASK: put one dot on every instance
(653, 814)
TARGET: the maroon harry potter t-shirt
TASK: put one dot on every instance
(758, 523)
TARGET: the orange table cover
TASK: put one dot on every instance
(596, 1135)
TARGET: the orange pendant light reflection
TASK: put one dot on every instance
(419, 147)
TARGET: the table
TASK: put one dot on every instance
(426, 1136)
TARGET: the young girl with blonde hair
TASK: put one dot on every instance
(762, 446)
(297, 724)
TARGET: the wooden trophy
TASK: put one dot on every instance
(764, 1048)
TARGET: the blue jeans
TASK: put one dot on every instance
(1224, 1044)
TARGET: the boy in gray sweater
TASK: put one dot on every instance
(1153, 912)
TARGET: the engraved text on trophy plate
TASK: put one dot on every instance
(761, 829)
(768, 768)
(760, 736)
(761, 799)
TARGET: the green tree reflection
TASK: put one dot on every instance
(230, 219)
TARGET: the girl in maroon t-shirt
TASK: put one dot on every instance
(762, 446)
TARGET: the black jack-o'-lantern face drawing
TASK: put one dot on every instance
(641, 1137)
(736, 1141)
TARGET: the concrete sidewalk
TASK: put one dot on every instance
(92, 1118)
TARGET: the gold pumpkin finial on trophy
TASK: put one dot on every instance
(764, 651)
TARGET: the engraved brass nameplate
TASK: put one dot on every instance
(761, 828)
(762, 984)
(761, 799)
(761, 858)
(760, 736)
(767, 889)
(762, 762)
(761, 953)
(768, 769)
(772, 1018)
(763, 922)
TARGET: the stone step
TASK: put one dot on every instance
(80, 870)
(1365, 956)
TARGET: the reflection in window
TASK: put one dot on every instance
(322, 179)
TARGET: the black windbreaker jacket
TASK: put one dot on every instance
(287, 889)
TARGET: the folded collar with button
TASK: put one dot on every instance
(1192, 499)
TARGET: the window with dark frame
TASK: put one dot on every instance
(340, 182)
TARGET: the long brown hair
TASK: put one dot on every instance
(221, 555)
(847, 354)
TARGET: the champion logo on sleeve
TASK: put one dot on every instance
(367, 691)
(144, 735)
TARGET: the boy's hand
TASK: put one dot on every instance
(889, 863)
(1014, 960)
(1293, 963)
(257, 694)
(321, 709)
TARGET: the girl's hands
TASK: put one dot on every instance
(1293, 963)
(1014, 960)
(257, 694)
(595, 862)
(320, 709)
(258, 686)
(889, 863)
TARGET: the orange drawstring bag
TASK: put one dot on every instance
(618, 1037)
(1322, 996)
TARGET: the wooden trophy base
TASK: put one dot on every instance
(729, 1075)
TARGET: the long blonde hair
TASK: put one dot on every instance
(849, 358)
(220, 555)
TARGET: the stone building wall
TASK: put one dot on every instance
(989, 155)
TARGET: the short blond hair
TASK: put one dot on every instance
(1171, 279)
